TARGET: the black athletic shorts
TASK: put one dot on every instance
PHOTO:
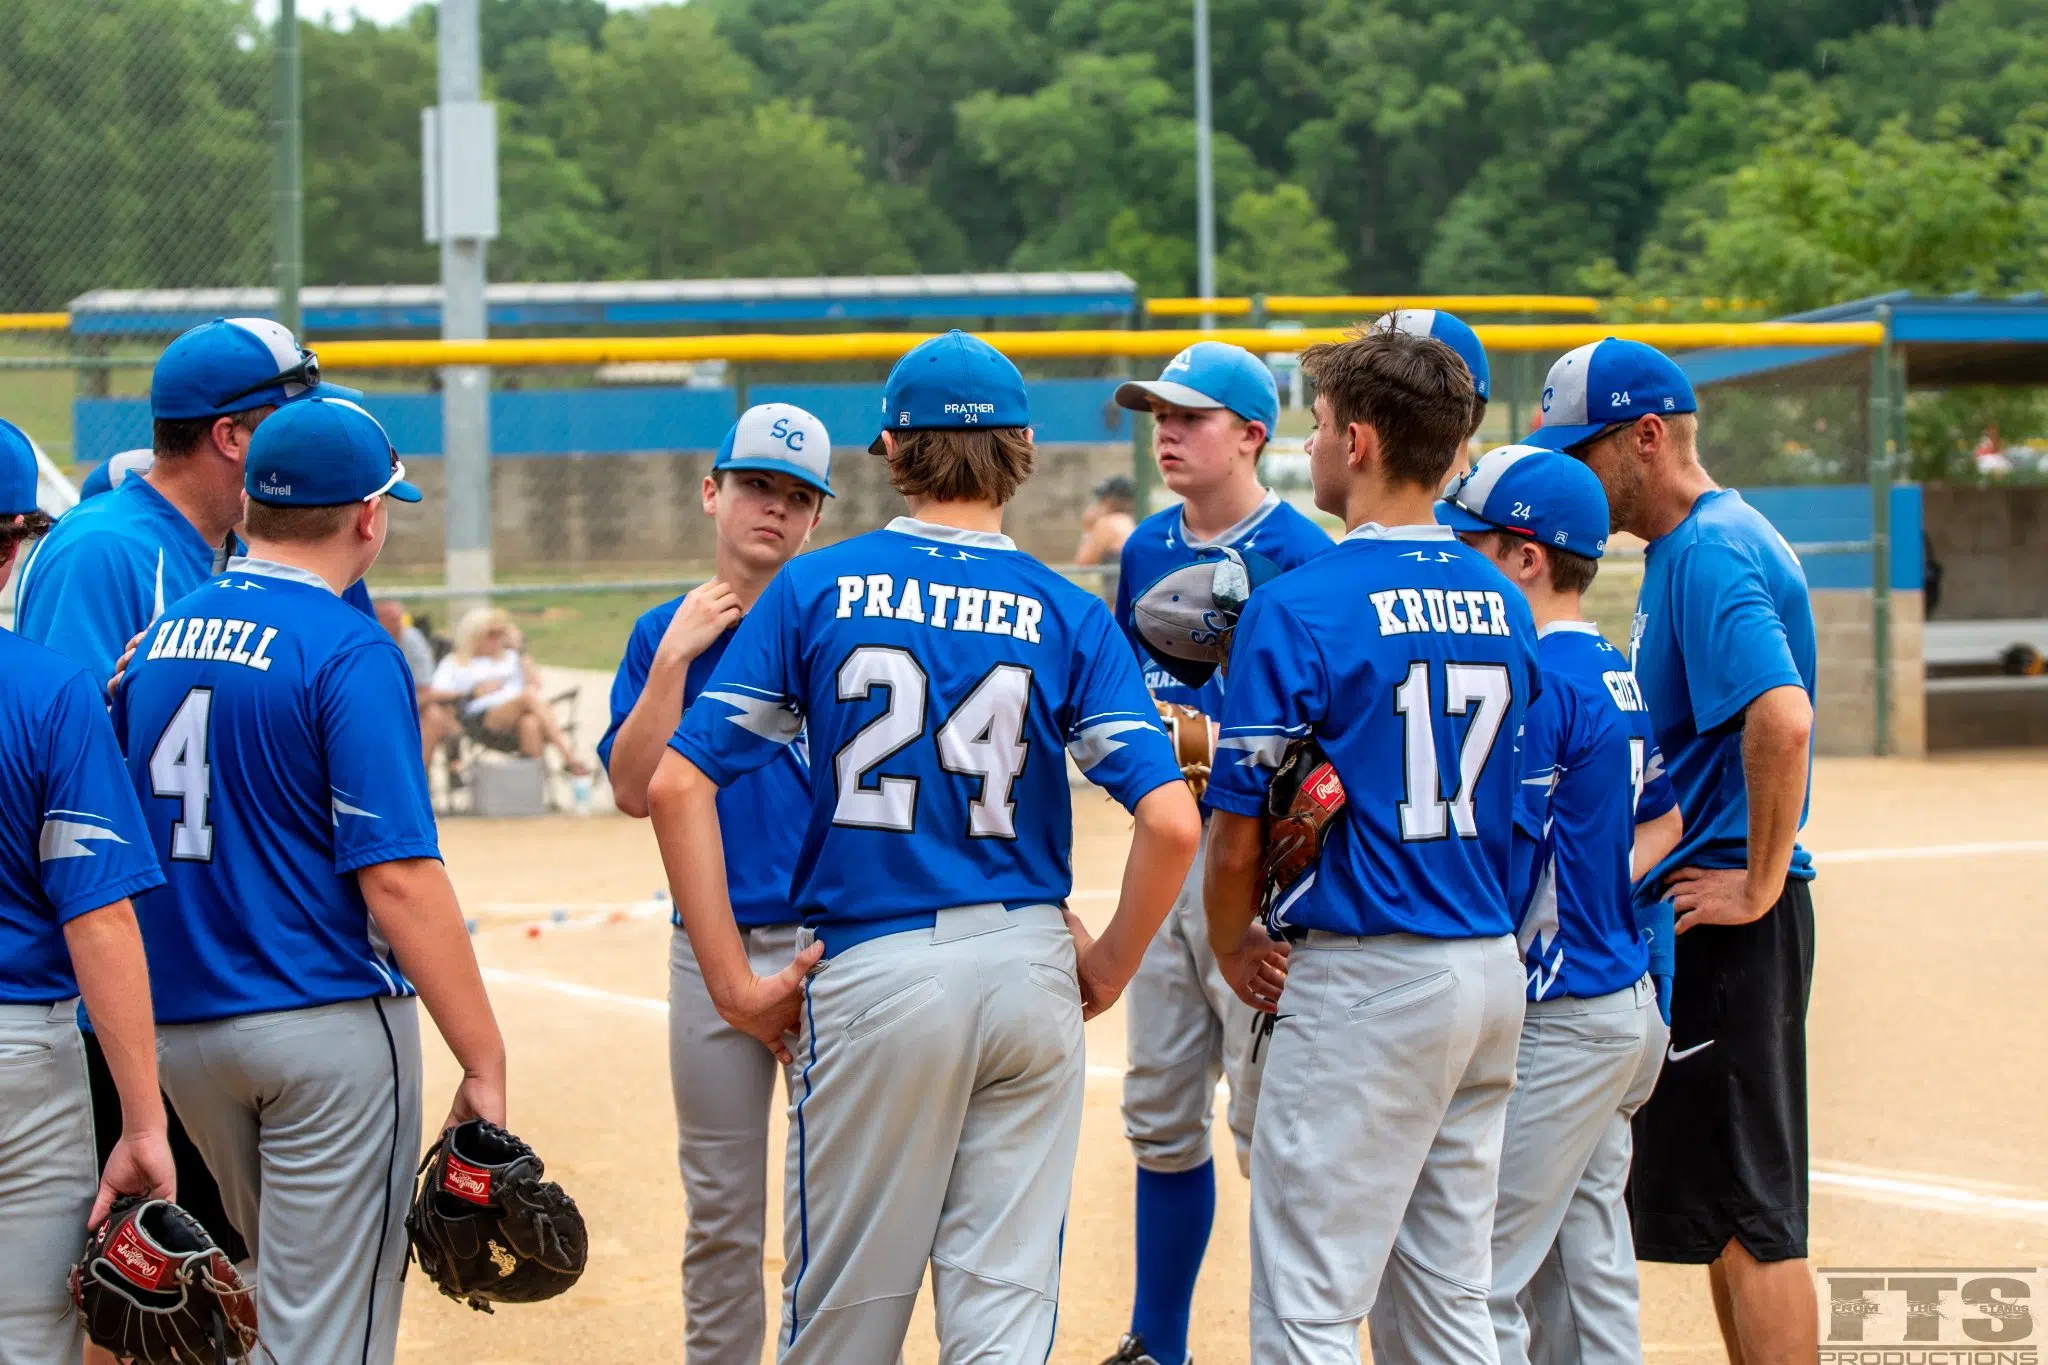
(1720, 1148)
(198, 1193)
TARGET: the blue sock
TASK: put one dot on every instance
(1174, 1216)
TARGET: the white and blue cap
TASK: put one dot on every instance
(1186, 618)
(1448, 328)
(322, 453)
(19, 471)
(1545, 495)
(1604, 384)
(1210, 374)
(109, 474)
(781, 438)
(953, 381)
(233, 364)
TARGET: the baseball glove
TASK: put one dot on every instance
(1194, 743)
(486, 1228)
(1305, 798)
(153, 1288)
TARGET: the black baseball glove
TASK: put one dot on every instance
(153, 1288)
(1305, 798)
(486, 1228)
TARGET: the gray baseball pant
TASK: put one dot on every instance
(724, 1085)
(1582, 1303)
(310, 1121)
(937, 1114)
(1375, 1162)
(1184, 1028)
(47, 1180)
(1577, 1063)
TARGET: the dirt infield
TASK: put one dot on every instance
(1928, 1087)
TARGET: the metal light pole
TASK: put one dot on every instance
(1205, 168)
(459, 153)
(287, 196)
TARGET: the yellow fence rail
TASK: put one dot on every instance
(34, 322)
(1372, 305)
(881, 346)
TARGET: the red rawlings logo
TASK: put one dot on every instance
(138, 1260)
(1324, 789)
(465, 1181)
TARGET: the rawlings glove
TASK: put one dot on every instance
(1194, 742)
(486, 1228)
(153, 1288)
(1306, 796)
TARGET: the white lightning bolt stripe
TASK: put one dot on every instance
(341, 807)
(68, 839)
(1090, 746)
(1260, 751)
(761, 716)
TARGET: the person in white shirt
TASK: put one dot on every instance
(498, 691)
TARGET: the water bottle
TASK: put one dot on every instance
(579, 793)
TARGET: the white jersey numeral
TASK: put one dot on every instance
(1478, 690)
(178, 768)
(1638, 775)
(984, 739)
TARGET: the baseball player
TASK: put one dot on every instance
(765, 493)
(111, 565)
(271, 733)
(1724, 652)
(1453, 332)
(1214, 407)
(938, 1002)
(72, 852)
(1410, 660)
(1594, 806)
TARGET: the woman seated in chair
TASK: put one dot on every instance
(499, 690)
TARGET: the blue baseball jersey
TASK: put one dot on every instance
(1411, 659)
(1160, 544)
(1591, 772)
(272, 735)
(107, 569)
(1722, 617)
(761, 840)
(71, 835)
(943, 676)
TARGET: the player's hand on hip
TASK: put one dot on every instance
(478, 1097)
(768, 1008)
(1256, 969)
(1097, 993)
(139, 1164)
(127, 657)
(707, 612)
(1717, 895)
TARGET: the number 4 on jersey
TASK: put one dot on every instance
(1478, 690)
(178, 768)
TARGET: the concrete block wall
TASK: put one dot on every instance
(622, 514)
(1992, 544)
(1845, 711)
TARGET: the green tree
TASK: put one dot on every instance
(1279, 244)
(362, 171)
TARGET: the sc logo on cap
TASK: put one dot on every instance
(793, 437)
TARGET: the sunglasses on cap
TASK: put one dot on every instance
(306, 372)
(1578, 449)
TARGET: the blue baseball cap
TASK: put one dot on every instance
(1448, 328)
(230, 365)
(1607, 382)
(322, 453)
(1545, 495)
(109, 474)
(20, 472)
(781, 437)
(1186, 618)
(1210, 374)
(953, 381)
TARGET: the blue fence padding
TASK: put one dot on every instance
(1842, 512)
(1063, 411)
(606, 421)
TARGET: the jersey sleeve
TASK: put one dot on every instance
(1114, 733)
(751, 709)
(630, 681)
(94, 847)
(370, 730)
(89, 601)
(1543, 726)
(1658, 795)
(1277, 692)
(1123, 594)
(1729, 633)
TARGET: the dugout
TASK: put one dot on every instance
(1967, 595)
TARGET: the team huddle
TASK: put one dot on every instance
(1450, 880)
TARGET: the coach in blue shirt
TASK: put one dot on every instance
(1723, 647)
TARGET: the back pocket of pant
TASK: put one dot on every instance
(1402, 996)
(24, 1052)
(1056, 981)
(889, 1010)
